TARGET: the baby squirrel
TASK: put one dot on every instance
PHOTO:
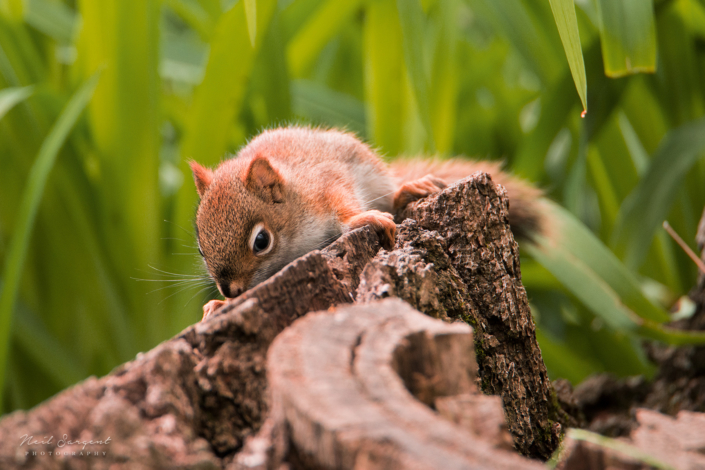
(293, 190)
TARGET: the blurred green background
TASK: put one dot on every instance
(102, 102)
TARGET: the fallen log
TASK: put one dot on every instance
(194, 400)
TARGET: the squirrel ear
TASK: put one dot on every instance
(201, 176)
(264, 181)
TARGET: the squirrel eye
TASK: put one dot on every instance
(260, 240)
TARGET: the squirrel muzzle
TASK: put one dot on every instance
(230, 290)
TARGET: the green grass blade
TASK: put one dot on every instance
(596, 277)
(9, 97)
(637, 152)
(251, 15)
(680, 75)
(54, 19)
(564, 361)
(411, 17)
(13, 9)
(124, 118)
(384, 72)
(308, 42)
(31, 197)
(270, 84)
(628, 36)
(555, 113)
(580, 244)
(585, 284)
(193, 14)
(49, 354)
(183, 55)
(670, 336)
(649, 203)
(325, 106)
(445, 75)
(567, 23)
(222, 91)
(527, 36)
(606, 193)
(618, 446)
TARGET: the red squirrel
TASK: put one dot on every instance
(293, 190)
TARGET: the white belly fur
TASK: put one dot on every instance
(373, 189)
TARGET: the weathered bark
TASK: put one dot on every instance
(193, 400)
(339, 385)
(470, 223)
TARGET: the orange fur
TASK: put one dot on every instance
(303, 187)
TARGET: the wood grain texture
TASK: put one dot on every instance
(339, 384)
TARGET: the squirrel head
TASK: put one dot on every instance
(243, 221)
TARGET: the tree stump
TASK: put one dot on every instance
(340, 383)
(193, 401)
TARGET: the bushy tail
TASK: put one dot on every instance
(525, 216)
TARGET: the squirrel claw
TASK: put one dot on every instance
(211, 307)
(417, 189)
(382, 222)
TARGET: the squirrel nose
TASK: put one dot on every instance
(230, 290)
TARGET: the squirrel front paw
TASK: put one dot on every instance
(413, 190)
(211, 307)
(382, 222)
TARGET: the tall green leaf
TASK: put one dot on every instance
(628, 34)
(251, 14)
(586, 285)
(445, 76)
(602, 300)
(320, 104)
(29, 204)
(596, 277)
(194, 14)
(628, 450)
(13, 9)
(122, 38)
(411, 17)
(54, 19)
(648, 204)
(9, 97)
(567, 23)
(384, 72)
(585, 248)
(323, 25)
(527, 36)
(222, 91)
